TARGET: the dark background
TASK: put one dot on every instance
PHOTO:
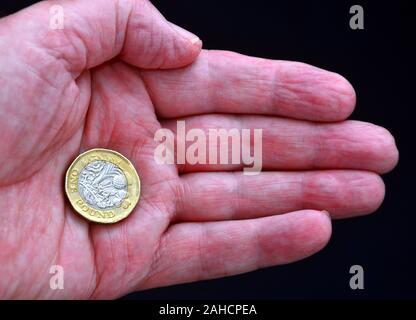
(379, 62)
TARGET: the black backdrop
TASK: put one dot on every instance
(379, 62)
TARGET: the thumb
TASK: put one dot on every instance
(84, 34)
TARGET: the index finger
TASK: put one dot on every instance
(227, 82)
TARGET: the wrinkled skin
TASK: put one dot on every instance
(115, 74)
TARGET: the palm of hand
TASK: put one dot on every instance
(112, 105)
(46, 231)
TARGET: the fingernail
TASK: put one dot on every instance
(327, 213)
(186, 34)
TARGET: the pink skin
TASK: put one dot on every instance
(106, 80)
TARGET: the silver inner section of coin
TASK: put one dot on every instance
(102, 185)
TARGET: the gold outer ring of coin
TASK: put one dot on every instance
(111, 215)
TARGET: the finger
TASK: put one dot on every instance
(198, 251)
(226, 196)
(224, 82)
(84, 34)
(291, 144)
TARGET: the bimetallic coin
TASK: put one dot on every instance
(102, 186)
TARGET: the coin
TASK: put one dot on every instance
(102, 185)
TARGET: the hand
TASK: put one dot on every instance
(116, 73)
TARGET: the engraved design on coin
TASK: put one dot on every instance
(102, 185)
